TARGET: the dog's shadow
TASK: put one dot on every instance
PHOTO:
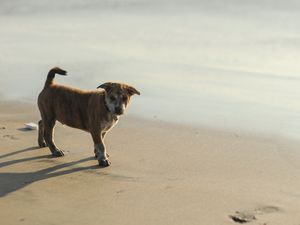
(10, 182)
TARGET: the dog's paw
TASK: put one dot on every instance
(42, 144)
(58, 153)
(104, 162)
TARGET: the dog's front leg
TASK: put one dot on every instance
(95, 150)
(100, 150)
(101, 154)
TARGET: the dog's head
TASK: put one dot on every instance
(117, 96)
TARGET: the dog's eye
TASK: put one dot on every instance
(112, 98)
(124, 98)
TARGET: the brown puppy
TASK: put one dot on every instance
(92, 111)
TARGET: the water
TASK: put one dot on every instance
(225, 64)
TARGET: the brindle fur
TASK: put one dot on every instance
(94, 111)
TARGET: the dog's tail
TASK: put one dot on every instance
(52, 73)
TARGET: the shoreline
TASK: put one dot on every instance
(161, 173)
(30, 106)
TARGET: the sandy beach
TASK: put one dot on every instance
(212, 140)
(160, 174)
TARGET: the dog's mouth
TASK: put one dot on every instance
(119, 113)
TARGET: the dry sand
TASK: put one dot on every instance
(160, 174)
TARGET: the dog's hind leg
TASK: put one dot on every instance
(48, 135)
(41, 140)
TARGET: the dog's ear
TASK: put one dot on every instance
(131, 90)
(106, 86)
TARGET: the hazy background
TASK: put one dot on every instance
(225, 64)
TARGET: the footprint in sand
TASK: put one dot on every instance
(248, 216)
(11, 137)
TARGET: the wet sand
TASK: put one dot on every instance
(161, 173)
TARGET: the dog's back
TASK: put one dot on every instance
(66, 104)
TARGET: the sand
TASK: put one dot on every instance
(230, 65)
(161, 173)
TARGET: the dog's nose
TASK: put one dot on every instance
(118, 110)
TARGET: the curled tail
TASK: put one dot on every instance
(52, 73)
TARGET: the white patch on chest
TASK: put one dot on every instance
(107, 125)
